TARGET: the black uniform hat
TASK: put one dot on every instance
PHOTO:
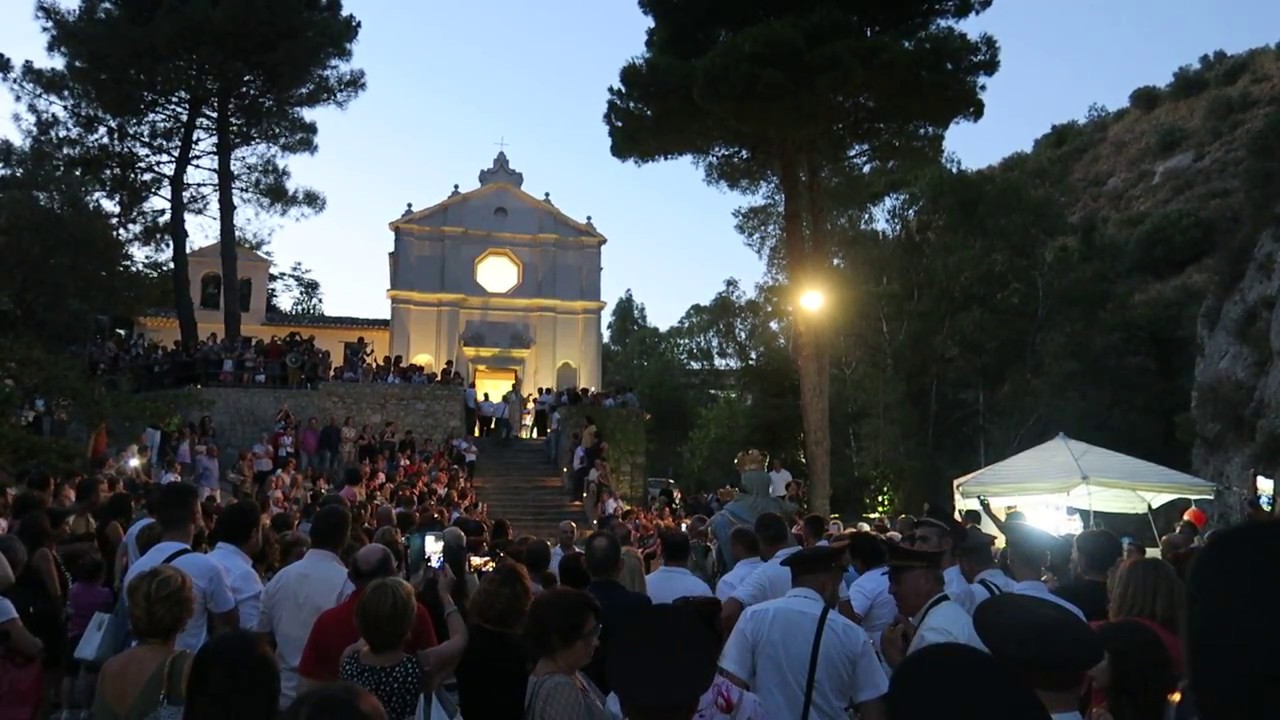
(939, 681)
(817, 560)
(646, 674)
(1036, 635)
(902, 557)
(975, 542)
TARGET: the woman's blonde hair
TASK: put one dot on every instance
(1149, 589)
(160, 603)
(385, 612)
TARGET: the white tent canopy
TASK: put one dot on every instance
(1089, 477)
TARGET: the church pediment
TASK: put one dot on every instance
(499, 206)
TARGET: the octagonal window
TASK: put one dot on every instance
(498, 272)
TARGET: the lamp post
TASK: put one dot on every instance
(814, 365)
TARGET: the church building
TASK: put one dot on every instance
(501, 283)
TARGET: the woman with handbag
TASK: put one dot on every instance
(148, 681)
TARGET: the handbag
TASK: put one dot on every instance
(21, 687)
(103, 638)
(434, 709)
(163, 710)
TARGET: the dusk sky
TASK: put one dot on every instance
(448, 80)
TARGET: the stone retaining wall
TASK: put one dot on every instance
(242, 414)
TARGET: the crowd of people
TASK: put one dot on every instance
(399, 598)
(291, 360)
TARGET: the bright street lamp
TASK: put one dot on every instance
(812, 301)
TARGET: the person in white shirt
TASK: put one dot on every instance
(239, 534)
(873, 606)
(172, 473)
(1029, 549)
(297, 595)
(567, 546)
(976, 558)
(915, 581)
(772, 579)
(469, 398)
(130, 544)
(778, 479)
(771, 648)
(673, 580)
(485, 409)
(177, 510)
(1056, 664)
(937, 536)
(263, 459)
(744, 547)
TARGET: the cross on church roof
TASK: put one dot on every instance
(502, 143)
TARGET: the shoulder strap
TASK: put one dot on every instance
(813, 662)
(991, 588)
(175, 555)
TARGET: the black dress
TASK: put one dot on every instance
(397, 687)
(493, 675)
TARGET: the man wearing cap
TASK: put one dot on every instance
(801, 659)
(926, 614)
(1028, 555)
(873, 606)
(772, 579)
(1043, 644)
(977, 562)
(937, 536)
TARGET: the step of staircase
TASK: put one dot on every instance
(519, 485)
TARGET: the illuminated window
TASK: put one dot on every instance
(498, 272)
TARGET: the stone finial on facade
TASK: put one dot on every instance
(501, 172)
(546, 198)
(593, 227)
(456, 192)
(408, 208)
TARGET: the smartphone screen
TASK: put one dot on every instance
(433, 550)
(1266, 488)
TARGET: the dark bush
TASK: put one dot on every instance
(1233, 70)
(1171, 240)
(1169, 138)
(1188, 82)
(1145, 98)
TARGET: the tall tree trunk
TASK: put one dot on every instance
(227, 245)
(812, 359)
(182, 302)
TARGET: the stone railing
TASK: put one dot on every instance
(242, 414)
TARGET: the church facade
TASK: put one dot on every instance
(501, 283)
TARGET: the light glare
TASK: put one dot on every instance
(812, 300)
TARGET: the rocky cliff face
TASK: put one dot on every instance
(1236, 392)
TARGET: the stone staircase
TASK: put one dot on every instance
(521, 486)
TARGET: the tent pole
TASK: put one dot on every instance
(1154, 531)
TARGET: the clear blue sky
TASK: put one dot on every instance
(448, 79)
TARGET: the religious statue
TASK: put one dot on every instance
(752, 501)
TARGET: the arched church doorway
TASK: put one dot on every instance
(424, 361)
(566, 376)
